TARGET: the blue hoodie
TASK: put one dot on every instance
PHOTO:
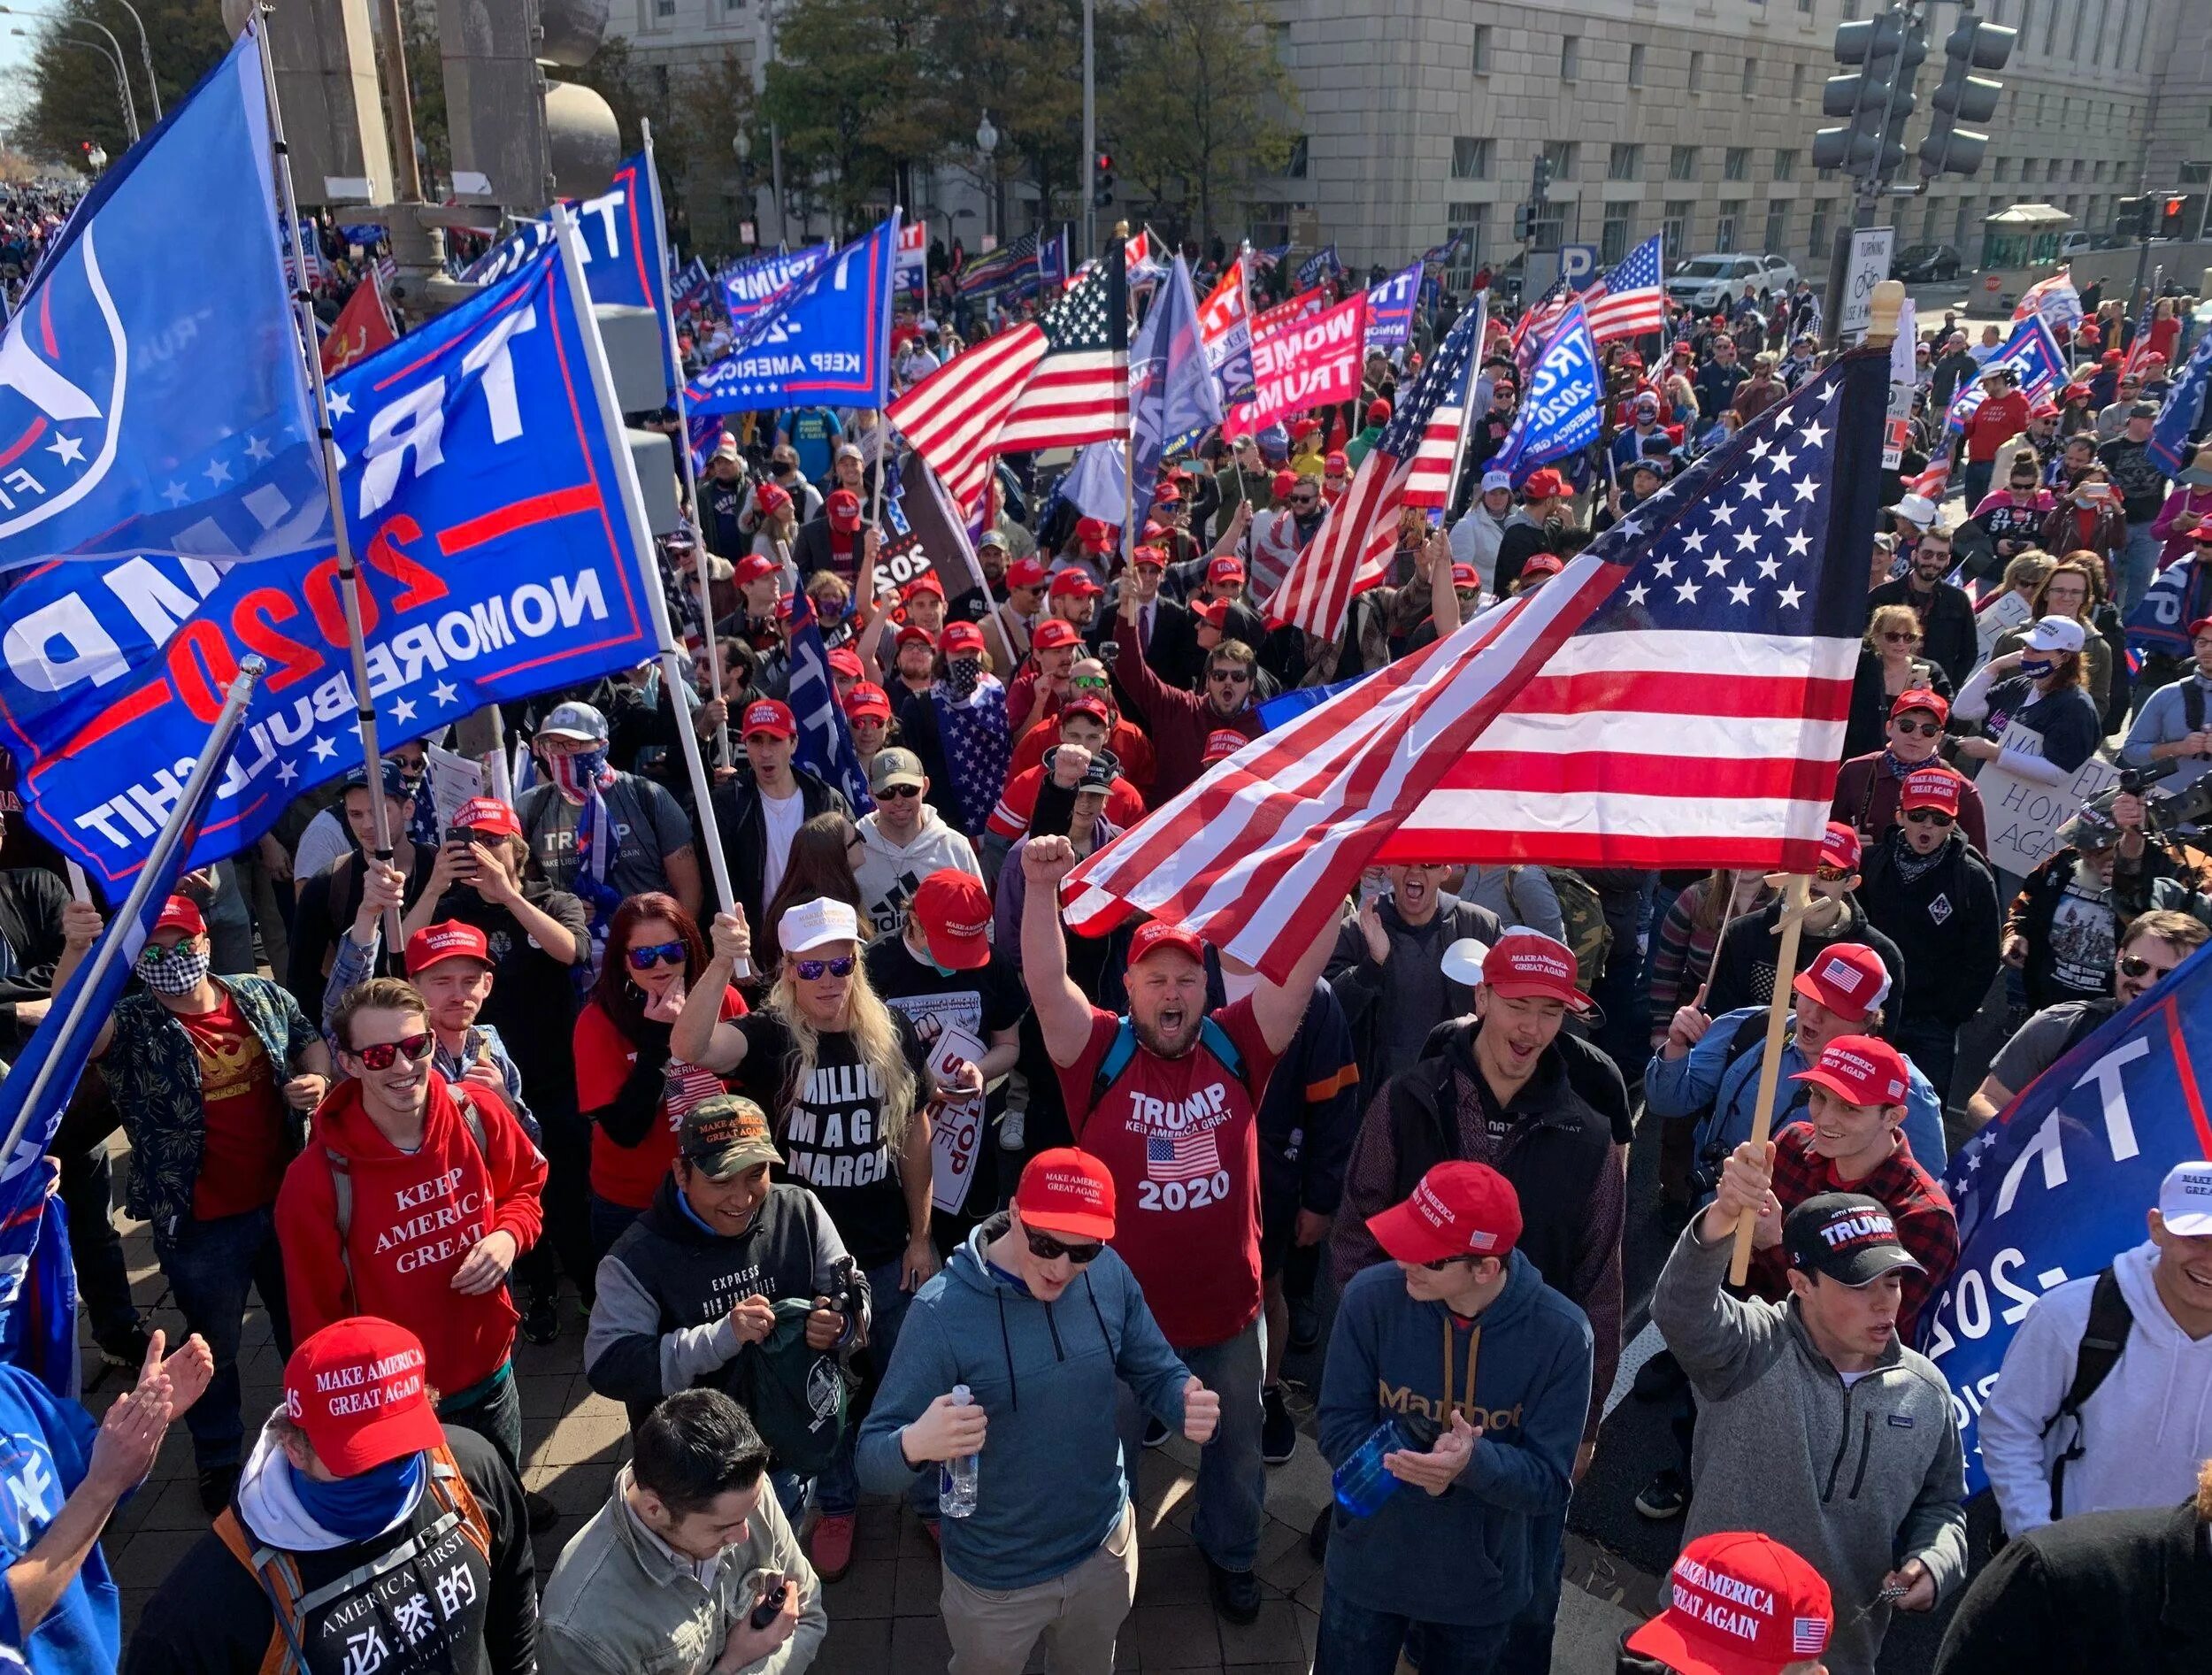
(1048, 1484)
(45, 1449)
(1460, 1558)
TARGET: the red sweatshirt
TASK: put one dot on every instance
(415, 1217)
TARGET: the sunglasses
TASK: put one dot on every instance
(1235, 676)
(415, 1049)
(1928, 817)
(811, 971)
(1828, 874)
(644, 959)
(1442, 1263)
(1045, 1247)
(897, 793)
(1925, 729)
(1901, 639)
(2135, 965)
(1087, 682)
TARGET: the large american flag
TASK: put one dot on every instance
(1060, 380)
(1352, 550)
(1629, 301)
(1676, 697)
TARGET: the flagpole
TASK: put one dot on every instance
(1129, 443)
(156, 864)
(883, 412)
(673, 669)
(683, 453)
(349, 574)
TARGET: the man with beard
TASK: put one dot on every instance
(1388, 967)
(1166, 1098)
(1947, 615)
(1284, 533)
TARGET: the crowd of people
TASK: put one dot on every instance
(877, 1176)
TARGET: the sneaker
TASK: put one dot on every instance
(217, 1484)
(832, 1546)
(1236, 1593)
(1305, 1323)
(1278, 1435)
(124, 1349)
(1659, 1377)
(541, 1317)
(1154, 1432)
(1666, 1496)
(543, 1514)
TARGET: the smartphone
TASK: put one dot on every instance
(771, 1605)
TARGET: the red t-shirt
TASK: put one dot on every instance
(1994, 423)
(630, 1175)
(244, 1156)
(1180, 1139)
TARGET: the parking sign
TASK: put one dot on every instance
(1578, 263)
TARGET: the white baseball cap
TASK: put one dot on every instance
(2055, 633)
(816, 924)
(1495, 480)
(1462, 961)
(2184, 1200)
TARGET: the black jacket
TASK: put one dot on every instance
(2103, 1592)
(1743, 965)
(1866, 728)
(1365, 990)
(2034, 911)
(1947, 923)
(745, 842)
(1946, 624)
(31, 901)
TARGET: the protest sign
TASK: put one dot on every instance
(2024, 815)
(1308, 363)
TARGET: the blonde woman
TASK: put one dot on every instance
(1889, 663)
(844, 1079)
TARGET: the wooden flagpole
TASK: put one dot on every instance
(1129, 442)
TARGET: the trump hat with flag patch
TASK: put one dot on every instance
(954, 911)
(359, 1389)
(1525, 964)
(1848, 979)
(1739, 1603)
(1455, 1210)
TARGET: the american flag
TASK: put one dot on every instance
(1353, 549)
(2139, 342)
(1628, 301)
(1060, 380)
(1671, 641)
(1264, 259)
(1002, 267)
(1808, 1636)
(1190, 1156)
(1533, 329)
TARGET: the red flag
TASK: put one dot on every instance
(362, 327)
(1310, 363)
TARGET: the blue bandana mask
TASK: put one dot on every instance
(360, 1506)
(2037, 668)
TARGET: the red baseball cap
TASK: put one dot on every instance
(961, 638)
(1222, 742)
(1379, 412)
(926, 582)
(180, 913)
(1095, 534)
(1151, 555)
(954, 912)
(1456, 1209)
(1544, 485)
(1335, 466)
(435, 944)
(1543, 564)
(1095, 708)
(1053, 633)
(2199, 626)
(1153, 531)
(2113, 358)
(1213, 612)
(1739, 1604)
(1074, 584)
(1304, 428)
(1228, 567)
(1526, 963)
(358, 1389)
(1839, 847)
(753, 567)
(769, 715)
(913, 632)
(1167, 495)
(1283, 483)
(1466, 576)
(1154, 935)
(1931, 787)
(843, 506)
(1066, 1191)
(1860, 1069)
(867, 698)
(487, 814)
(845, 661)
(1921, 698)
(1027, 572)
(771, 499)
(1846, 978)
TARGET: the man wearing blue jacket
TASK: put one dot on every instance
(1487, 1369)
(1037, 1318)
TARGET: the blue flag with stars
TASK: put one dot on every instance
(1562, 411)
(485, 498)
(153, 390)
(826, 339)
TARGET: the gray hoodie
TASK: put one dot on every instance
(889, 875)
(1857, 1479)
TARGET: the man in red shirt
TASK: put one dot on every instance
(1166, 1098)
(2002, 415)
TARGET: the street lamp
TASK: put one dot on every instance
(987, 143)
(114, 62)
(129, 103)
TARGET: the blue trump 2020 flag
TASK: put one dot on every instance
(2059, 1184)
(1562, 412)
(486, 500)
(2181, 418)
(1390, 307)
(153, 389)
(826, 339)
(624, 261)
(750, 286)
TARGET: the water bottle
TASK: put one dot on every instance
(1362, 1484)
(955, 1478)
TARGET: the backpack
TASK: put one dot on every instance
(341, 1176)
(1122, 1047)
(1582, 913)
(279, 1573)
(796, 1394)
(1750, 1037)
(2102, 1341)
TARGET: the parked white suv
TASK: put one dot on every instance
(1708, 281)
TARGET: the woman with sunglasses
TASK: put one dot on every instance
(1889, 664)
(631, 1088)
(846, 1081)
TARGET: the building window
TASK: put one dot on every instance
(1613, 235)
(663, 9)
(1674, 231)
(2050, 29)
(1725, 228)
(1819, 242)
(1481, 63)
(1626, 163)
(1470, 224)
(1570, 56)
(1697, 72)
(2081, 15)
(1850, 11)
(1778, 225)
(2078, 166)
(1295, 168)
(1470, 158)
(1736, 166)
(1804, 5)
(1997, 169)
(1797, 83)
(2191, 174)
(1786, 166)
(1750, 84)
(1682, 163)
(1636, 65)
(1561, 154)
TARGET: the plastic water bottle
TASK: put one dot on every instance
(955, 1478)
(1361, 1483)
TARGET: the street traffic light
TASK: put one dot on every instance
(1876, 100)
(2170, 218)
(2131, 217)
(1524, 223)
(1102, 179)
(1540, 181)
(1965, 97)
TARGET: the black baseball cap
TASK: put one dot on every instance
(1846, 1235)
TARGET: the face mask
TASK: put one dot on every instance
(2037, 668)
(961, 674)
(576, 775)
(178, 971)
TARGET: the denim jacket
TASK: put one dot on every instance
(153, 1071)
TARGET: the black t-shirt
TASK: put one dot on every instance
(2066, 717)
(534, 998)
(831, 1129)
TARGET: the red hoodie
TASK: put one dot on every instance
(415, 1217)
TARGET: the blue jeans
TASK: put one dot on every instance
(1527, 1650)
(1232, 1474)
(1975, 479)
(1355, 1640)
(492, 1408)
(837, 1490)
(608, 1222)
(210, 1266)
(2134, 565)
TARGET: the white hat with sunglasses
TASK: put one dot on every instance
(816, 924)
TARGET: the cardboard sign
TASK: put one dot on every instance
(956, 1133)
(2024, 816)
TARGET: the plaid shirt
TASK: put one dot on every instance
(1926, 1225)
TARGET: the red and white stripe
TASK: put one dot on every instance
(1631, 313)
(1585, 765)
(1259, 856)
(1349, 553)
(1068, 399)
(953, 416)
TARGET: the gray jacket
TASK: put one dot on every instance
(619, 1603)
(1856, 1480)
